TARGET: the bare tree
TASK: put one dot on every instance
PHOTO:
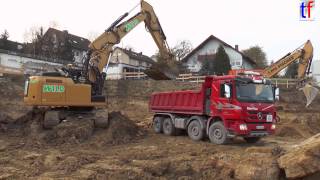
(32, 34)
(4, 35)
(182, 49)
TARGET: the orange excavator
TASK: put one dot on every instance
(70, 88)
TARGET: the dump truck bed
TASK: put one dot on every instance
(186, 102)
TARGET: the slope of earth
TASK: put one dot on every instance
(129, 149)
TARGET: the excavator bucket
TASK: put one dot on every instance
(161, 72)
(310, 93)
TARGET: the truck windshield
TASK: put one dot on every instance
(250, 92)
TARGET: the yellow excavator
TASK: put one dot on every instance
(304, 54)
(82, 89)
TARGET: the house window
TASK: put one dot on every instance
(76, 53)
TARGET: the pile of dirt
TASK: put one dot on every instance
(69, 132)
(293, 100)
(74, 130)
(121, 130)
(287, 131)
(303, 160)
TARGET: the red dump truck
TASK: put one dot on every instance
(225, 107)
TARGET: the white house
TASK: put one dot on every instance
(193, 61)
(123, 60)
(28, 64)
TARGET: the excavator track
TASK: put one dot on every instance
(54, 117)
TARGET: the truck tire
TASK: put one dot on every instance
(195, 132)
(168, 127)
(51, 119)
(158, 124)
(251, 140)
(218, 133)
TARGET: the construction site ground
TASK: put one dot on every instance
(129, 149)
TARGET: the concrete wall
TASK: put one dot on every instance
(30, 64)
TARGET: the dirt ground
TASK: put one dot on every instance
(129, 149)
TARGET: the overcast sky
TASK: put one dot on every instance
(272, 24)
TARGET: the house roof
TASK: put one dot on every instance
(76, 42)
(11, 45)
(212, 37)
(137, 56)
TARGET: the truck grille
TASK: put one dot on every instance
(257, 115)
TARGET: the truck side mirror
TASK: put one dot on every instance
(277, 94)
(227, 91)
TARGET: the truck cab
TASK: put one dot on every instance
(225, 107)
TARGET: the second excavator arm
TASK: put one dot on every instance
(101, 47)
(304, 55)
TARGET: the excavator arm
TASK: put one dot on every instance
(101, 48)
(304, 55)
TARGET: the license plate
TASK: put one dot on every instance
(269, 118)
(260, 127)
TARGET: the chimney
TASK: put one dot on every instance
(236, 47)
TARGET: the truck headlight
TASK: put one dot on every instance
(273, 126)
(243, 127)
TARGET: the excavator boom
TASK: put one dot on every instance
(101, 48)
(304, 55)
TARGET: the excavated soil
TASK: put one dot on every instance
(129, 149)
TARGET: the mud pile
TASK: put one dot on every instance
(76, 130)
(302, 160)
(121, 130)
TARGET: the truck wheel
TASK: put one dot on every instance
(251, 140)
(195, 131)
(51, 119)
(158, 124)
(168, 127)
(218, 133)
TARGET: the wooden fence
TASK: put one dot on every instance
(140, 75)
(192, 78)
